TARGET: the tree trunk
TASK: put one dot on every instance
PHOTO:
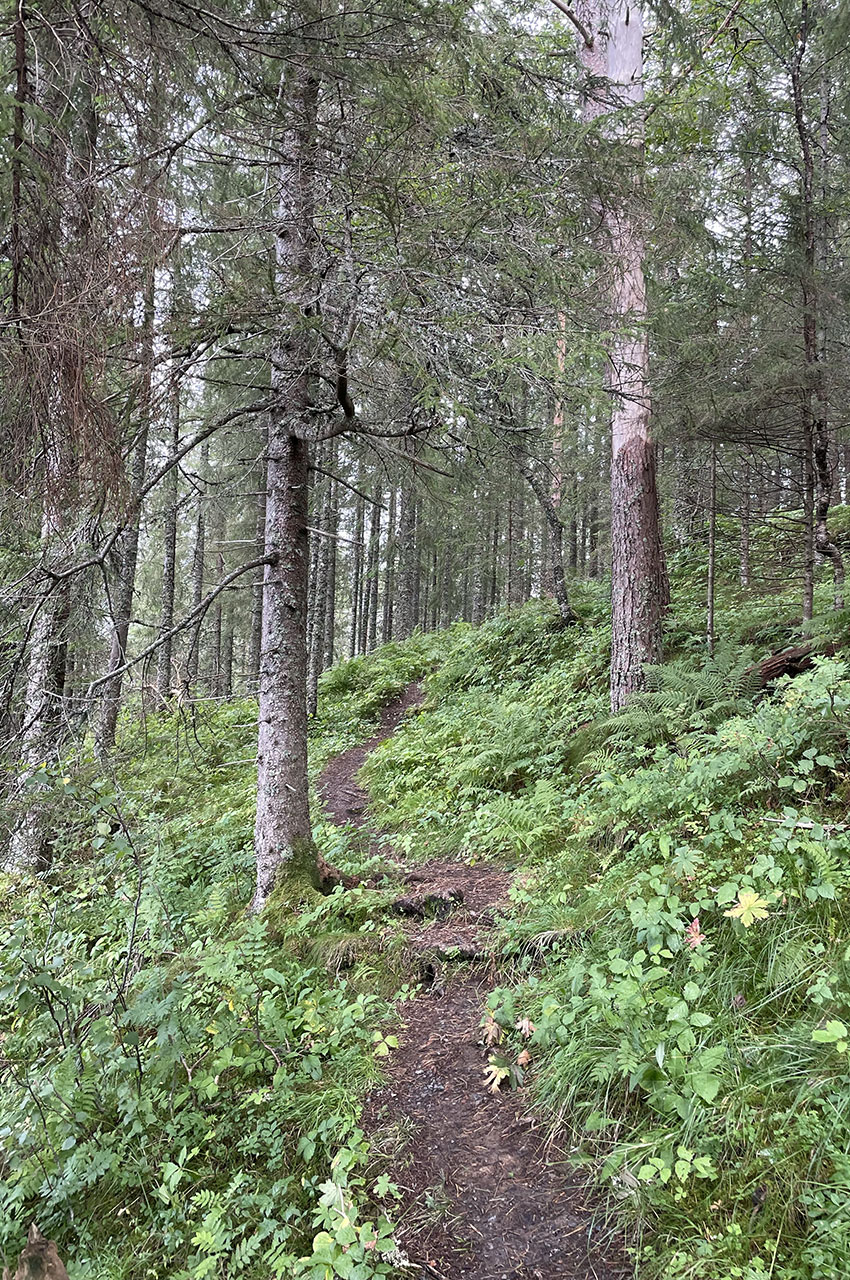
(282, 835)
(816, 432)
(199, 557)
(125, 593)
(123, 610)
(374, 560)
(549, 508)
(415, 565)
(479, 554)
(573, 538)
(745, 525)
(321, 631)
(315, 506)
(256, 636)
(405, 618)
(169, 551)
(28, 847)
(365, 589)
(808, 519)
(639, 589)
(214, 677)
(446, 588)
(356, 578)
(330, 597)
(494, 565)
(389, 572)
(593, 534)
(712, 545)
(225, 689)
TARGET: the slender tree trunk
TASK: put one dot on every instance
(126, 588)
(549, 508)
(712, 545)
(316, 615)
(373, 568)
(808, 519)
(389, 572)
(315, 505)
(330, 598)
(169, 551)
(365, 590)
(405, 618)
(479, 555)
(573, 537)
(282, 836)
(21, 98)
(356, 578)
(63, 247)
(494, 565)
(593, 535)
(199, 562)
(415, 564)
(214, 679)
(225, 689)
(321, 634)
(745, 525)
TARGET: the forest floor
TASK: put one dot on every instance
(484, 1195)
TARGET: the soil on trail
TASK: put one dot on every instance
(344, 800)
(484, 1197)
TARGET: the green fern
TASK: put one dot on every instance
(680, 700)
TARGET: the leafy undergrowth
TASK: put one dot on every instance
(181, 1082)
(678, 952)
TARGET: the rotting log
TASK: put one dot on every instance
(789, 662)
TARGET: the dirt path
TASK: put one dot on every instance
(483, 1197)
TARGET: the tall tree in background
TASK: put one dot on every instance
(64, 447)
(611, 36)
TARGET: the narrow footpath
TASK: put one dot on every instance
(484, 1197)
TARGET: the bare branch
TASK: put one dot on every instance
(197, 612)
(576, 21)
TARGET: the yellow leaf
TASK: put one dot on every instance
(749, 908)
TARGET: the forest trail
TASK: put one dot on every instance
(483, 1196)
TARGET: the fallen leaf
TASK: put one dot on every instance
(492, 1031)
(497, 1071)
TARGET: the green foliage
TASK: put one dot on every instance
(680, 699)
(480, 770)
(680, 932)
(180, 1082)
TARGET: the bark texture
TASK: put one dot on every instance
(282, 833)
(282, 836)
(613, 59)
